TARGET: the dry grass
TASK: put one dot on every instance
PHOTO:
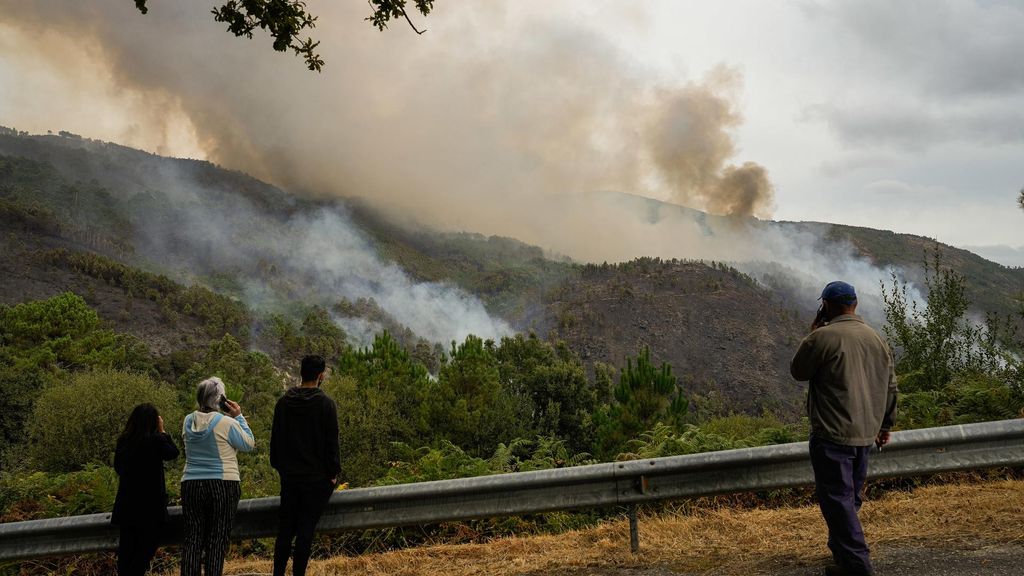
(713, 541)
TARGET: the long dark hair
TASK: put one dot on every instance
(142, 423)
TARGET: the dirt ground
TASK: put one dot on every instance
(893, 560)
(961, 529)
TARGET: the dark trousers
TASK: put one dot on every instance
(209, 510)
(839, 474)
(301, 506)
(136, 547)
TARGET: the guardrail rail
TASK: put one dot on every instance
(910, 453)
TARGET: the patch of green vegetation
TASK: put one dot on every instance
(76, 421)
(988, 286)
(952, 370)
(220, 314)
(80, 206)
(35, 495)
(509, 276)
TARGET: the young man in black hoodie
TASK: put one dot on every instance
(304, 451)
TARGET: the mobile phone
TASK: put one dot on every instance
(223, 404)
(819, 318)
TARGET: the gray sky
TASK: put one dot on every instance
(903, 115)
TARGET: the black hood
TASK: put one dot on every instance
(298, 396)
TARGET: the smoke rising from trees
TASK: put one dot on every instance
(514, 119)
(521, 107)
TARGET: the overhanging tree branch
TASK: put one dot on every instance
(286, 19)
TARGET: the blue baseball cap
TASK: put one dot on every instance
(839, 291)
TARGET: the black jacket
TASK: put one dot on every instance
(304, 437)
(141, 491)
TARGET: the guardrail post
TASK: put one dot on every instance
(634, 530)
(634, 525)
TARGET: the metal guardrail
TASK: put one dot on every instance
(910, 453)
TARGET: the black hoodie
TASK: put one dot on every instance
(304, 438)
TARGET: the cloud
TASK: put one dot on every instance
(915, 129)
(891, 190)
(1005, 255)
(919, 74)
(949, 48)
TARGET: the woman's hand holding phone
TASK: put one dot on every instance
(232, 408)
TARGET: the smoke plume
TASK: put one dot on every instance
(494, 103)
(690, 145)
(512, 118)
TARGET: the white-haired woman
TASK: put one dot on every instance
(210, 485)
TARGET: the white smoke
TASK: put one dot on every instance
(329, 247)
(280, 250)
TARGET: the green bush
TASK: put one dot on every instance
(447, 461)
(969, 397)
(740, 427)
(397, 377)
(76, 422)
(317, 334)
(18, 391)
(725, 434)
(40, 342)
(28, 216)
(369, 423)
(938, 342)
(424, 464)
(550, 388)
(543, 453)
(64, 333)
(220, 314)
(467, 405)
(645, 396)
(35, 495)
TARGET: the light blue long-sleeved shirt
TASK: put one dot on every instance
(211, 442)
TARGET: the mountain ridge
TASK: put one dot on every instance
(728, 330)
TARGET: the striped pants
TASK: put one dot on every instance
(209, 510)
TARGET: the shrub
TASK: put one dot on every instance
(64, 333)
(77, 421)
(938, 341)
(550, 387)
(36, 495)
(645, 396)
(369, 422)
(468, 406)
(219, 314)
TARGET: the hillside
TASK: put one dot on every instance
(990, 286)
(727, 336)
(722, 333)
(511, 278)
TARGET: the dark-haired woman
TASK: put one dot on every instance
(140, 509)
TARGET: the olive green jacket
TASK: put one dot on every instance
(852, 393)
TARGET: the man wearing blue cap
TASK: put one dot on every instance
(851, 402)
